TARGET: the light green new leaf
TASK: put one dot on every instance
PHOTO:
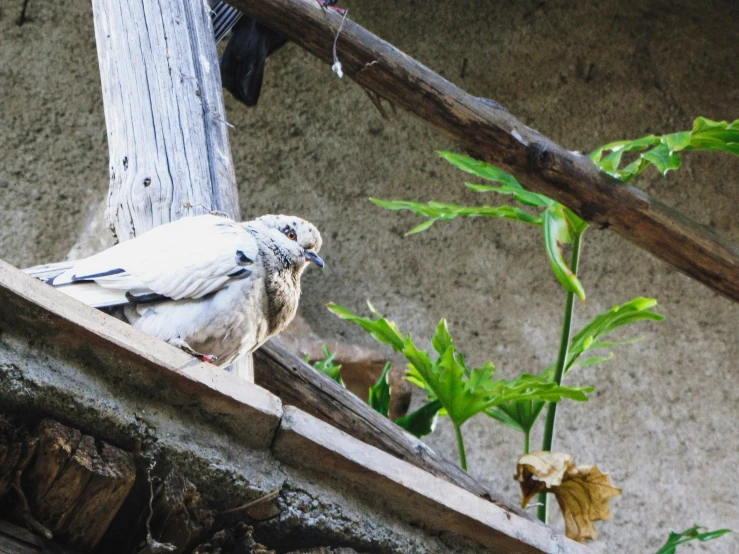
(519, 193)
(692, 534)
(662, 158)
(379, 393)
(422, 227)
(442, 339)
(422, 422)
(557, 234)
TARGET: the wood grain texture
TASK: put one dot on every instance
(296, 383)
(489, 132)
(170, 155)
(422, 498)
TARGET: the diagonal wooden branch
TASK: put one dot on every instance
(489, 132)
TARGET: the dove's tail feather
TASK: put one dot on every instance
(94, 295)
(45, 272)
(89, 293)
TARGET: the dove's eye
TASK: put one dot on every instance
(292, 235)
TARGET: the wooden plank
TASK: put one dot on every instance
(296, 383)
(489, 132)
(303, 440)
(249, 412)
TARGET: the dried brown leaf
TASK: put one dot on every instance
(582, 492)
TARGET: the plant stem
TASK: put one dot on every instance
(564, 345)
(527, 441)
(460, 447)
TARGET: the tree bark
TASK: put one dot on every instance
(489, 132)
(167, 134)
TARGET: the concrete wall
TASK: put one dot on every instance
(664, 416)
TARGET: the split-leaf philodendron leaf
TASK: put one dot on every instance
(461, 392)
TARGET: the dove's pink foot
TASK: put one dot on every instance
(182, 345)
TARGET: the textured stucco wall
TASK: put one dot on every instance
(663, 420)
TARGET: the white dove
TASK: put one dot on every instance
(206, 284)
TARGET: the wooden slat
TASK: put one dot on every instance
(296, 383)
(307, 442)
(490, 133)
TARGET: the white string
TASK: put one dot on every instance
(336, 68)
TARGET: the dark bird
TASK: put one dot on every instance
(250, 43)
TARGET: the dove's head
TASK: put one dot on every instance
(296, 238)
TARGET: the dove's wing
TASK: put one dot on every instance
(188, 258)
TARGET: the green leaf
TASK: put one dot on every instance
(677, 141)
(382, 330)
(327, 365)
(661, 157)
(517, 415)
(706, 135)
(556, 234)
(462, 392)
(718, 136)
(442, 340)
(422, 227)
(379, 394)
(588, 338)
(423, 421)
(519, 193)
(479, 169)
(439, 211)
(692, 534)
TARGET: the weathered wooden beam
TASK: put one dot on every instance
(296, 383)
(169, 151)
(489, 132)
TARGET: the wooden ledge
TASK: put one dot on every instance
(28, 305)
(309, 443)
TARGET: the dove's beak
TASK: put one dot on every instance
(313, 257)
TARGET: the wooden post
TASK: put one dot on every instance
(167, 134)
(170, 155)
